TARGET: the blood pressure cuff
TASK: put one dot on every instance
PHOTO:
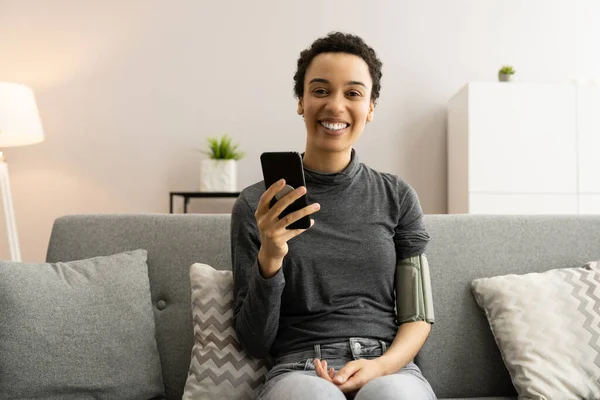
(413, 290)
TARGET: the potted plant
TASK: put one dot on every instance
(218, 173)
(505, 73)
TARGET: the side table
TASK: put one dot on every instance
(192, 195)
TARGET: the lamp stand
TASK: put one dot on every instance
(9, 212)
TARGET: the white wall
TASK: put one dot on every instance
(128, 89)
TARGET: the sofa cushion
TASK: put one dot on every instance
(219, 367)
(547, 328)
(80, 329)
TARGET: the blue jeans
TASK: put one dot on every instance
(293, 375)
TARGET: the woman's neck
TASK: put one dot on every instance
(327, 162)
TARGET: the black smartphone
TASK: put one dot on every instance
(286, 165)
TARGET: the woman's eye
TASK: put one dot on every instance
(354, 94)
(320, 91)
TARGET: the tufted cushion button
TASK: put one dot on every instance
(161, 304)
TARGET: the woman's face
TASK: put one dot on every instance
(336, 103)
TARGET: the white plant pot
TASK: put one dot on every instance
(218, 175)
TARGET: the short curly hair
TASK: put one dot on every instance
(338, 42)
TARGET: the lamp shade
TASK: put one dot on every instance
(20, 122)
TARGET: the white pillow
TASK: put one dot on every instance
(547, 327)
(220, 368)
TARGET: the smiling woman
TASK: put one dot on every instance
(321, 301)
(337, 92)
(336, 105)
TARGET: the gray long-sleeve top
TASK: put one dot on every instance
(337, 280)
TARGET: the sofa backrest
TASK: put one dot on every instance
(460, 357)
(174, 243)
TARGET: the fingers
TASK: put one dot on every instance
(274, 234)
(354, 375)
(292, 233)
(354, 383)
(346, 372)
(296, 215)
(317, 364)
(321, 369)
(318, 367)
(285, 201)
(265, 199)
(269, 217)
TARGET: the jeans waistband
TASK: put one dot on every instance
(351, 348)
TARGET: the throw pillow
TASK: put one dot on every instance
(78, 330)
(220, 368)
(547, 327)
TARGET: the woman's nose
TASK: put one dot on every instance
(335, 103)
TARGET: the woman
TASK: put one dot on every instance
(320, 301)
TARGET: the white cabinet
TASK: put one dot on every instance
(589, 204)
(588, 127)
(524, 148)
(509, 203)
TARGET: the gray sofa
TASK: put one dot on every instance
(460, 357)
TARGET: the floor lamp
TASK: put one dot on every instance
(20, 125)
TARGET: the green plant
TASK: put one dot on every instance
(507, 70)
(222, 149)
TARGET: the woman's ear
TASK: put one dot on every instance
(371, 111)
(300, 107)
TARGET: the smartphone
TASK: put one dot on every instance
(286, 165)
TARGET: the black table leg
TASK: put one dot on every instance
(170, 204)
(185, 204)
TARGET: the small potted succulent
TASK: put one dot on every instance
(218, 173)
(505, 73)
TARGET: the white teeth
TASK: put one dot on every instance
(334, 127)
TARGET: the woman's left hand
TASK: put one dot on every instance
(353, 376)
(321, 369)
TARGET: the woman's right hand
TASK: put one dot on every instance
(273, 233)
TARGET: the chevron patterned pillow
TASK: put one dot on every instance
(219, 368)
(547, 327)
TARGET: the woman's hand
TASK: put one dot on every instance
(273, 233)
(353, 376)
(321, 368)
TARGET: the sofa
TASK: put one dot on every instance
(460, 358)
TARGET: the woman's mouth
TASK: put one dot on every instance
(334, 129)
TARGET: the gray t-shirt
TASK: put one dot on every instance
(337, 280)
